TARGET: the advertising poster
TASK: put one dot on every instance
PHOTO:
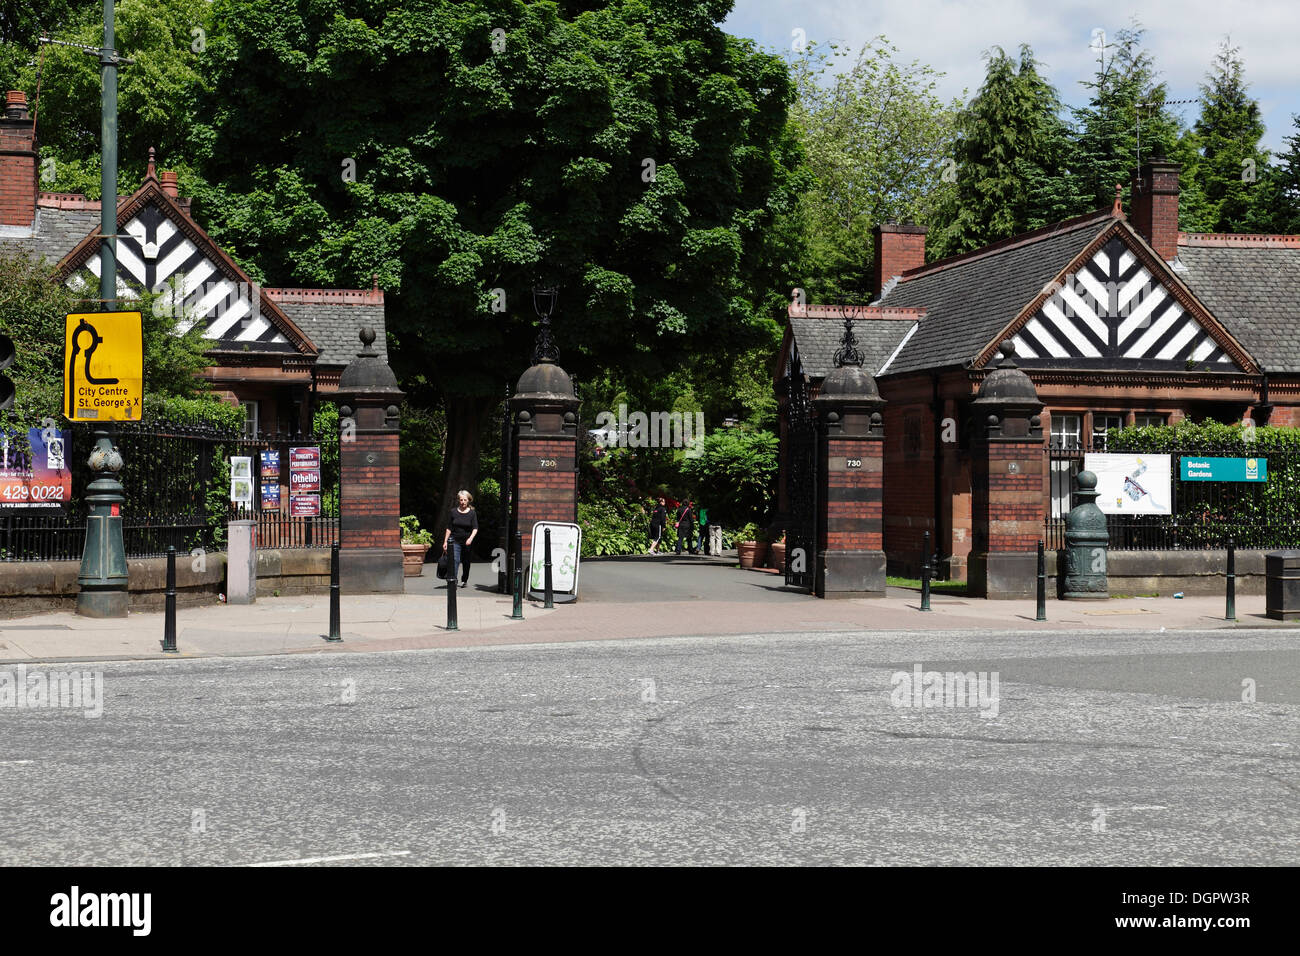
(566, 554)
(1132, 484)
(304, 506)
(40, 479)
(304, 481)
(271, 497)
(270, 465)
(304, 459)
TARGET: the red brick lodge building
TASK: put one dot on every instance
(1117, 320)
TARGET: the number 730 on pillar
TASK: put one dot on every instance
(103, 367)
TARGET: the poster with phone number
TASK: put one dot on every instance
(40, 480)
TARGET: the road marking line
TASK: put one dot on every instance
(332, 859)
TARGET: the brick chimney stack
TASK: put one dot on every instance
(169, 183)
(1154, 205)
(897, 249)
(18, 162)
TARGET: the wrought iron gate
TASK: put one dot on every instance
(801, 484)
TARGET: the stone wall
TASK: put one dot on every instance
(32, 587)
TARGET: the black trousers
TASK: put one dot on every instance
(686, 533)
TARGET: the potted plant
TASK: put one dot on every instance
(415, 545)
(776, 554)
(751, 546)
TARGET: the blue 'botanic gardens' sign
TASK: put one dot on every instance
(1225, 469)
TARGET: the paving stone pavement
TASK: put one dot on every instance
(666, 596)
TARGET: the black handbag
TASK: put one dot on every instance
(442, 566)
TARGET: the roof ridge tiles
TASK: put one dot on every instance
(1238, 240)
(857, 312)
(328, 296)
(1002, 245)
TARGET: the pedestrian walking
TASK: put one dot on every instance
(658, 522)
(704, 528)
(462, 529)
(686, 526)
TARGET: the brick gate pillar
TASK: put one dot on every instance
(545, 412)
(1007, 502)
(850, 521)
(370, 541)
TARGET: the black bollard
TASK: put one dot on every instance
(453, 575)
(169, 605)
(549, 592)
(925, 572)
(1230, 614)
(335, 633)
(1042, 584)
(518, 613)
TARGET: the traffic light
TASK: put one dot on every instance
(6, 359)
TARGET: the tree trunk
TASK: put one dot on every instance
(465, 419)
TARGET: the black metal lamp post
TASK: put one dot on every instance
(544, 299)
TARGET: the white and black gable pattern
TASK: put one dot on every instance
(1113, 313)
(154, 253)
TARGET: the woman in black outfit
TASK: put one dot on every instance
(462, 528)
(658, 521)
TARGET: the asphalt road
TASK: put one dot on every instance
(1105, 749)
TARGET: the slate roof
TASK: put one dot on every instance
(330, 318)
(56, 231)
(818, 339)
(969, 300)
(1255, 292)
(333, 327)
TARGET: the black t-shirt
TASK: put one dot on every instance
(686, 515)
(462, 525)
(659, 517)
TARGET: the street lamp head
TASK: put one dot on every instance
(544, 298)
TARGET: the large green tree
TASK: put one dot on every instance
(1276, 207)
(1009, 159)
(630, 152)
(877, 139)
(1230, 161)
(1125, 122)
(157, 93)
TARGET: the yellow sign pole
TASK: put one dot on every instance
(103, 381)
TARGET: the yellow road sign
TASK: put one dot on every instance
(103, 367)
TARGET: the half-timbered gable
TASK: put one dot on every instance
(272, 350)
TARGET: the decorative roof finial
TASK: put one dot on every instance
(149, 173)
(848, 353)
(1118, 210)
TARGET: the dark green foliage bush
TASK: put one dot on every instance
(735, 476)
(619, 526)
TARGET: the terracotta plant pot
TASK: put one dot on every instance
(413, 559)
(752, 553)
(776, 556)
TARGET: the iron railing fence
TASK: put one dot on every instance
(177, 486)
(1205, 514)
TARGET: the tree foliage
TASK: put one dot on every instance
(1229, 161)
(877, 140)
(1012, 156)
